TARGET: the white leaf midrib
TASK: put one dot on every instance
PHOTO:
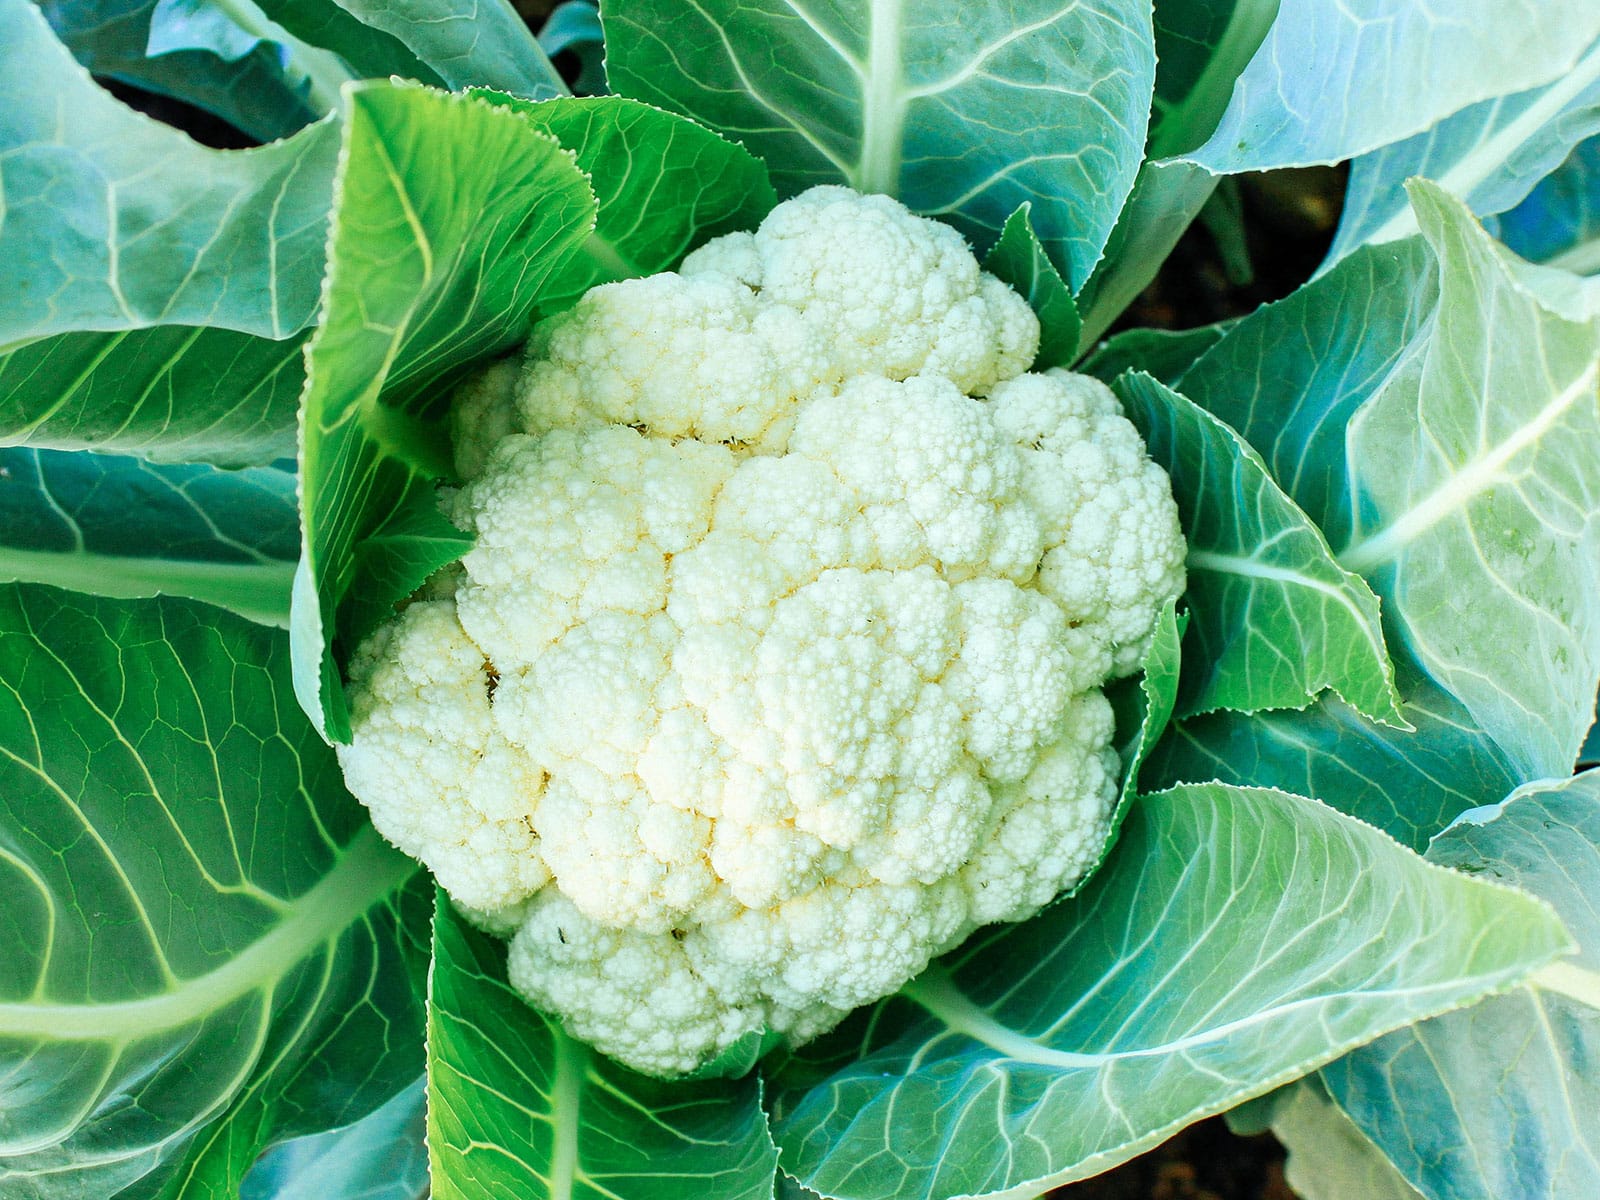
(1461, 487)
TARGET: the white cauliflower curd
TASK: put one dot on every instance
(775, 669)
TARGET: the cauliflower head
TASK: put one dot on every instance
(775, 669)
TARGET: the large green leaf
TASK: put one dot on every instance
(466, 43)
(1332, 81)
(1235, 939)
(94, 239)
(380, 1157)
(1477, 510)
(1167, 196)
(207, 947)
(171, 392)
(1329, 1158)
(252, 93)
(1039, 100)
(518, 1108)
(451, 216)
(664, 184)
(370, 51)
(1409, 783)
(1442, 1099)
(1274, 620)
(1490, 155)
(1290, 375)
(1019, 260)
(1164, 353)
(1559, 222)
(234, 29)
(1203, 46)
(120, 526)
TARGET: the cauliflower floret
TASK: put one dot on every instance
(775, 668)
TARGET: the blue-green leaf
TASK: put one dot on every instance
(1040, 100)
(1443, 1098)
(1332, 81)
(1559, 223)
(466, 43)
(112, 39)
(1409, 783)
(1234, 939)
(516, 1107)
(1477, 506)
(233, 239)
(119, 526)
(1490, 155)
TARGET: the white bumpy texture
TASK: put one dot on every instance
(776, 667)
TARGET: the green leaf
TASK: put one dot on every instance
(371, 52)
(380, 1157)
(665, 186)
(117, 526)
(94, 239)
(518, 1108)
(573, 27)
(1409, 783)
(1329, 1158)
(1475, 473)
(172, 393)
(207, 945)
(450, 218)
(1019, 260)
(1441, 1098)
(466, 43)
(232, 29)
(1290, 376)
(1142, 716)
(111, 38)
(1490, 155)
(1164, 353)
(1559, 223)
(1040, 100)
(1203, 47)
(1235, 939)
(1334, 81)
(1167, 196)
(1275, 619)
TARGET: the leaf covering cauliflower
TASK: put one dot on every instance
(775, 669)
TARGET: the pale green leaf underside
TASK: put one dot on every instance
(1440, 1098)
(120, 526)
(190, 895)
(1478, 511)
(1048, 1051)
(1332, 81)
(1490, 155)
(1274, 620)
(964, 117)
(162, 231)
(518, 1108)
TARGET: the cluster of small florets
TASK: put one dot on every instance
(775, 669)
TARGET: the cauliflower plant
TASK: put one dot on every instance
(775, 669)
